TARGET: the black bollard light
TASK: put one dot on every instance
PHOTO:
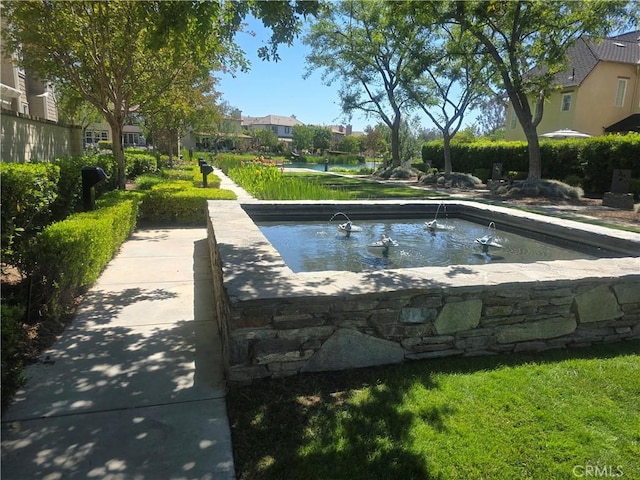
(205, 170)
(91, 176)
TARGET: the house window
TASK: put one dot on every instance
(287, 129)
(275, 129)
(622, 89)
(131, 139)
(566, 102)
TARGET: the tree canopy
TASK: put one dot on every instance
(527, 43)
(120, 55)
(357, 44)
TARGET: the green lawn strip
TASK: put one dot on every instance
(518, 416)
(362, 188)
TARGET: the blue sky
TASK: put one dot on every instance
(279, 88)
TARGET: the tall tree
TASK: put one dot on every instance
(494, 114)
(374, 141)
(520, 35)
(303, 137)
(446, 80)
(120, 55)
(357, 44)
(322, 137)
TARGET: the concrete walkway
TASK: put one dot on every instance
(134, 388)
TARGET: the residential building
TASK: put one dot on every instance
(598, 92)
(23, 93)
(338, 132)
(227, 135)
(280, 125)
(132, 135)
(29, 126)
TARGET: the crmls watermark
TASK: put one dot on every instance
(598, 471)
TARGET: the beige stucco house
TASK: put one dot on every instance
(280, 125)
(598, 93)
(30, 129)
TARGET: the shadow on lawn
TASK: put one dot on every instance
(317, 426)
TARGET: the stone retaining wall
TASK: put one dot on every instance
(296, 323)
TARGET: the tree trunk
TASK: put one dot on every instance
(395, 142)
(447, 154)
(118, 153)
(535, 156)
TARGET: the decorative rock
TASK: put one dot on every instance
(351, 349)
(627, 292)
(551, 328)
(459, 316)
(596, 305)
(276, 350)
(621, 201)
(417, 314)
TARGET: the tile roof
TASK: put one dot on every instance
(271, 120)
(586, 52)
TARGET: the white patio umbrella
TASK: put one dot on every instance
(565, 133)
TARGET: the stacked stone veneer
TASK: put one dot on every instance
(275, 338)
(284, 330)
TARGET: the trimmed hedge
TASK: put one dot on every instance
(592, 159)
(179, 202)
(70, 255)
(27, 195)
(139, 163)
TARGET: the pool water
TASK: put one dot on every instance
(318, 246)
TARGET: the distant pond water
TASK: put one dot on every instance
(320, 166)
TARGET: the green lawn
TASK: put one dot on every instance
(360, 188)
(544, 416)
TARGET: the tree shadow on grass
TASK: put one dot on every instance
(323, 426)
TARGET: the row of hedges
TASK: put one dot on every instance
(67, 256)
(70, 254)
(592, 160)
(179, 202)
(34, 195)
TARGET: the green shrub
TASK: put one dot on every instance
(634, 187)
(178, 203)
(574, 180)
(484, 174)
(11, 317)
(145, 182)
(602, 155)
(27, 194)
(139, 163)
(69, 255)
(105, 145)
(592, 159)
(70, 185)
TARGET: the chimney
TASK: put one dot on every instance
(349, 129)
